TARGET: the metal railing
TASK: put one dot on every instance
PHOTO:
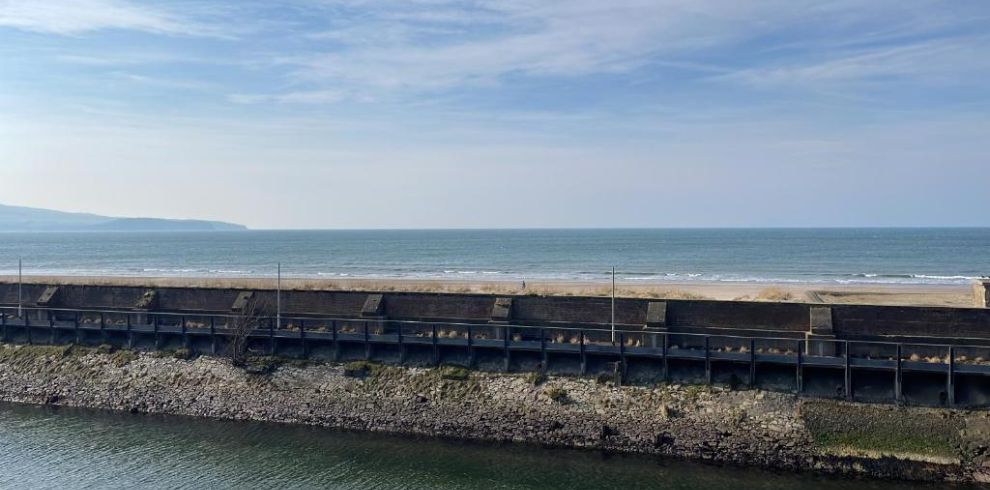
(664, 346)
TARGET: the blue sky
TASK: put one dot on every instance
(509, 113)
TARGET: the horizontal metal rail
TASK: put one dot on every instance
(7, 313)
(842, 355)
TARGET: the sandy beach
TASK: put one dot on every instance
(926, 295)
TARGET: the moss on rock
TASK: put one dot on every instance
(888, 430)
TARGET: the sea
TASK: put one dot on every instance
(925, 256)
(58, 448)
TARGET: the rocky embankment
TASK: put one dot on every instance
(755, 428)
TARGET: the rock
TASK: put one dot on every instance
(752, 427)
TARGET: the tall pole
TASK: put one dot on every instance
(278, 298)
(20, 287)
(613, 304)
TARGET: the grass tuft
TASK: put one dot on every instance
(360, 369)
(455, 373)
(122, 358)
(558, 395)
(261, 365)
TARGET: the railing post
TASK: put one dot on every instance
(584, 357)
(470, 343)
(848, 373)
(543, 347)
(154, 327)
(51, 328)
(899, 375)
(436, 346)
(622, 355)
(336, 342)
(130, 333)
(666, 359)
(213, 335)
(402, 346)
(799, 375)
(752, 363)
(271, 337)
(302, 338)
(507, 358)
(708, 360)
(184, 332)
(103, 327)
(3, 323)
(951, 378)
(367, 342)
(75, 325)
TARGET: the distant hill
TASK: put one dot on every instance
(17, 218)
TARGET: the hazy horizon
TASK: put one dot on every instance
(469, 228)
(502, 114)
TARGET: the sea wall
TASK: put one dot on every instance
(750, 427)
(790, 320)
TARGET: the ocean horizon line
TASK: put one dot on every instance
(550, 228)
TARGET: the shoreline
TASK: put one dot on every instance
(751, 428)
(950, 295)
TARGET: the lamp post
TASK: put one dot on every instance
(20, 287)
(613, 304)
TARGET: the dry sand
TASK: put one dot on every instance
(927, 295)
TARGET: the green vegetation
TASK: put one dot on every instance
(27, 354)
(557, 394)
(261, 364)
(360, 369)
(23, 355)
(882, 429)
(456, 373)
(182, 354)
(122, 357)
(692, 392)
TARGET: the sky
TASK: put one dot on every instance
(500, 114)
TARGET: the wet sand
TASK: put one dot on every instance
(957, 295)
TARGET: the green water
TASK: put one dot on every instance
(70, 448)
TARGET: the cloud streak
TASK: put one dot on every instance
(942, 61)
(78, 17)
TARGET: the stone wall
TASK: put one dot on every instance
(790, 320)
(755, 428)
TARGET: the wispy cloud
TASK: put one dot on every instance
(76, 17)
(301, 97)
(942, 61)
(435, 46)
(425, 50)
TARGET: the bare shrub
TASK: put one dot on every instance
(250, 318)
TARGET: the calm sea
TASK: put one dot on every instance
(897, 256)
(41, 447)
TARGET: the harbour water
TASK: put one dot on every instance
(837, 256)
(44, 447)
